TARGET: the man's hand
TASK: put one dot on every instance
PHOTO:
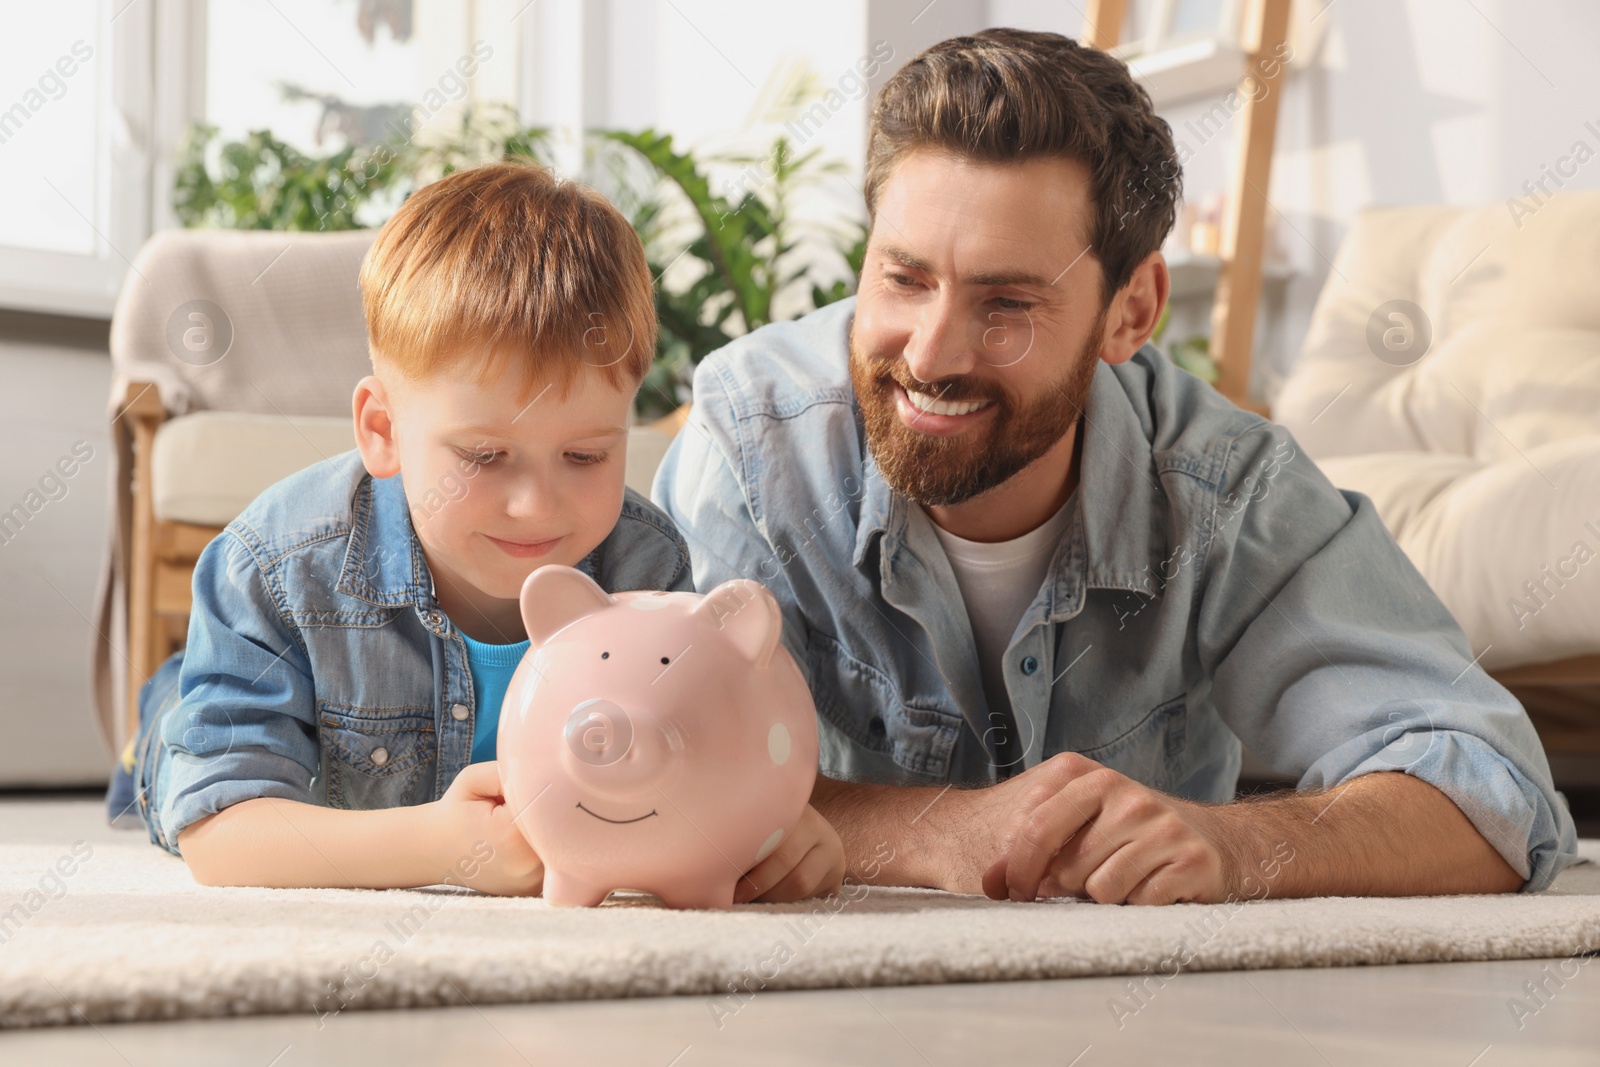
(809, 862)
(1071, 827)
(476, 841)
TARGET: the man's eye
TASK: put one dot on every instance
(584, 459)
(903, 281)
(1009, 304)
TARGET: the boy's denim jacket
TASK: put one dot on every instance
(319, 667)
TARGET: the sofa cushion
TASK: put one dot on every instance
(1514, 358)
(1482, 453)
(205, 467)
(1512, 548)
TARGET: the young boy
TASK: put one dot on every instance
(332, 721)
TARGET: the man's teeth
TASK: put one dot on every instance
(945, 407)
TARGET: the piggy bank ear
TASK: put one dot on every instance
(555, 596)
(748, 615)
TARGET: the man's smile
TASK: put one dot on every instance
(939, 418)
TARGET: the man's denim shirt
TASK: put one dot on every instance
(319, 667)
(1212, 586)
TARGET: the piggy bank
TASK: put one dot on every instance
(654, 741)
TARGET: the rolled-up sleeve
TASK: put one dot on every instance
(1331, 655)
(245, 722)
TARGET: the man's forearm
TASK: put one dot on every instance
(892, 835)
(285, 844)
(1382, 834)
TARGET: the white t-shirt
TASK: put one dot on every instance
(998, 580)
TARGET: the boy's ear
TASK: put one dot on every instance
(374, 416)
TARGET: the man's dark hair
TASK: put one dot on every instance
(1005, 95)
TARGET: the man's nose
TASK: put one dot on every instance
(938, 346)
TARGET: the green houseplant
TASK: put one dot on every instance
(732, 257)
(1193, 354)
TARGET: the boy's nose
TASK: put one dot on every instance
(527, 500)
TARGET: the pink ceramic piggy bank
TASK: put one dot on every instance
(663, 742)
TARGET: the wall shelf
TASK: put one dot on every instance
(1194, 274)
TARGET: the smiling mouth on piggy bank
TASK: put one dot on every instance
(619, 822)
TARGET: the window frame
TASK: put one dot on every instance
(152, 88)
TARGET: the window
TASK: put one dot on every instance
(66, 227)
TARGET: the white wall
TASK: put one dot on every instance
(1421, 102)
(1409, 102)
(50, 565)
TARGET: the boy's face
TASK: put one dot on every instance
(499, 481)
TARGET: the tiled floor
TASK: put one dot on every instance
(1452, 1015)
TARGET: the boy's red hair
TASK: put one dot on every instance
(508, 261)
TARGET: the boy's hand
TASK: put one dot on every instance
(478, 844)
(809, 862)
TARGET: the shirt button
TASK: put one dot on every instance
(380, 756)
(435, 619)
(1029, 665)
(458, 712)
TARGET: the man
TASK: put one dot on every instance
(1020, 553)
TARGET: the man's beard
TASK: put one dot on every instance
(943, 471)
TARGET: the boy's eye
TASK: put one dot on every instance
(587, 458)
(481, 459)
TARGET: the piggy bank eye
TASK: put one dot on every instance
(599, 732)
(605, 655)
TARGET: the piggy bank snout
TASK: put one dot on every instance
(605, 750)
(599, 732)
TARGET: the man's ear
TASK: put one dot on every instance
(1135, 310)
(374, 414)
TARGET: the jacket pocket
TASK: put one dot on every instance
(865, 706)
(1151, 751)
(377, 757)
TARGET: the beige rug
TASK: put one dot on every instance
(127, 935)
